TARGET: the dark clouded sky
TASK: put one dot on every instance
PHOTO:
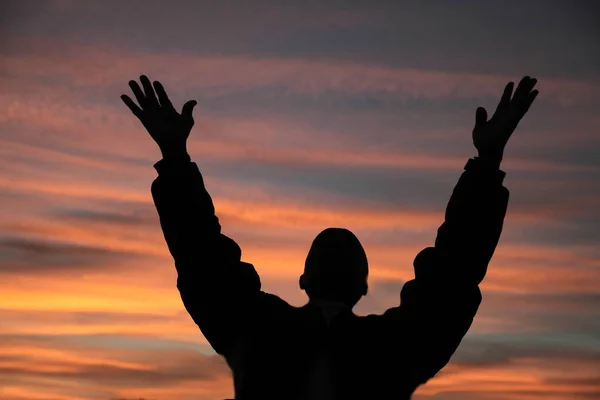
(310, 114)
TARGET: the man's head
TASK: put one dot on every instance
(336, 268)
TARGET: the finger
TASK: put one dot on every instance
(528, 87)
(139, 95)
(149, 91)
(530, 100)
(480, 117)
(522, 89)
(519, 106)
(505, 99)
(533, 82)
(132, 106)
(162, 95)
(532, 96)
(523, 103)
(187, 109)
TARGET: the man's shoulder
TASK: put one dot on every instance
(274, 307)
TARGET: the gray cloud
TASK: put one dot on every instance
(27, 255)
(384, 185)
(83, 318)
(576, 315)
(563, 231)
(501, 349)
(138, 217)
(431, 34)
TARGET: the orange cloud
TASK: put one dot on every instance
(525, 379)
(60, 367)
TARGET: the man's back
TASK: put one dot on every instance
(292, 353)
(279, 351)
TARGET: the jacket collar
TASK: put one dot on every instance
(329, 309)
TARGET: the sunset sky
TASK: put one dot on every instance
(310, 115)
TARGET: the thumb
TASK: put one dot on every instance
(187, 108)
(480, 116)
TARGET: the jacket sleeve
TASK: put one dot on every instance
(218, 290)
(438, 306)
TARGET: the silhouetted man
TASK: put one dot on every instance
(322, 350)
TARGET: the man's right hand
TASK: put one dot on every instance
(490, 136)
(167, 127)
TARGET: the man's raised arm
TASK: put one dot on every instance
(440, 303)
(438, 306)
(217, 288)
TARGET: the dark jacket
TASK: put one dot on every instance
(271, 345)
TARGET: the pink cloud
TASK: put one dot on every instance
(85, 66)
